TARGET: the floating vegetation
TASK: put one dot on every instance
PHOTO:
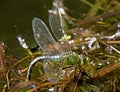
(84, 57)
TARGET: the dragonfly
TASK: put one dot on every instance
(55, 54)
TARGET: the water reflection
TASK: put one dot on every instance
(16, 17)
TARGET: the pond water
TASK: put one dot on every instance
(16, 17)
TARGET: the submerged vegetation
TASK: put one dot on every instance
(95, 40)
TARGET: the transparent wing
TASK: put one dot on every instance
(57, 23)
(58, 26)
(44, 38)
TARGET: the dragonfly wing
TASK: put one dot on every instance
(44, 38)
(57, 23)
(58, 27)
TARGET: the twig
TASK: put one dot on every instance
(104, 71)
(2, 58)
(102, 16)
(113, 42)
(114, 49)
(45, 84)
(7, 74)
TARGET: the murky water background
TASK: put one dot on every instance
(16, 17)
